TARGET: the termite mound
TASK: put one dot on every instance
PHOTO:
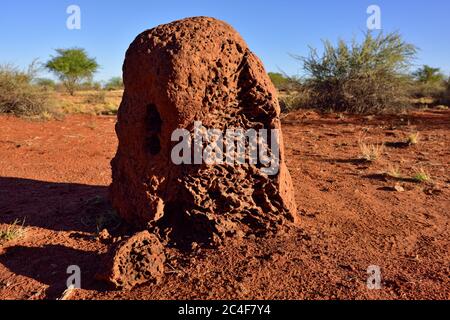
(197, 70)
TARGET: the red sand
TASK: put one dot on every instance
(55, 174)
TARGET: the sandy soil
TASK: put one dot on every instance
(55, 174)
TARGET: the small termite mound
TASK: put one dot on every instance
(137, 260)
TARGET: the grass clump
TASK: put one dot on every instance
(370, 152)
(19, 95)
(13, 231)
(421, 176)
(394, 172)
(413, 139)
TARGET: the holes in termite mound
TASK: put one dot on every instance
(153, 124)
(183, 225)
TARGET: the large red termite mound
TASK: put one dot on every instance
(196, 69)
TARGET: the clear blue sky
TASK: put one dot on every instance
(273, 29)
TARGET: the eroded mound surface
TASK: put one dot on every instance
(197, 69)
(134, 261)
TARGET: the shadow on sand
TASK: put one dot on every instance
(58, 207)
(48, 205)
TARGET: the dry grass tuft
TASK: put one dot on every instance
(13, 231)
(394, 172)
(370, 152)
(413, 139)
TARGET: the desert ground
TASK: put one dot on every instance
(54, 178)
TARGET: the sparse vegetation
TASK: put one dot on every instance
(13, 231)
(90, 102)
(284, 82)
(97, 97)
(104, 218)
(370, 152)
(421, 176)
(446, 97)
(45, 83)
(427, 74)
(19, 95)
(90, 86)
(115, 83)
(367, 77)
(394, 172)
(413, 138)
(429, 83)
(299, 98)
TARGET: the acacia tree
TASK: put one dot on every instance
(72, 66)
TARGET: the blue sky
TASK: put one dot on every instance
(273, 29)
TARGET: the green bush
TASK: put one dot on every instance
(283, 82)
(98, 97)
(367, 77)
(45, 83)
(446, 96)
(115, 83)
(18, 94)
(428, 83)
(89, 85)
(278, 80)
(427, 74)
(434, 90)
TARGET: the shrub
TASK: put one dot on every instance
(115, 83)
(89, 85)
(367, 77)
(428, 90)
(45, 83)
(18, 94)
(446, 95)
(428, 83)
(280, 81)
(427, 74)
(98, 97)
(299, 98)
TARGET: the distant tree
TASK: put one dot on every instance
(72, 66)
(278, 79)
(45, 82)
(114, 83)
(427, 74)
